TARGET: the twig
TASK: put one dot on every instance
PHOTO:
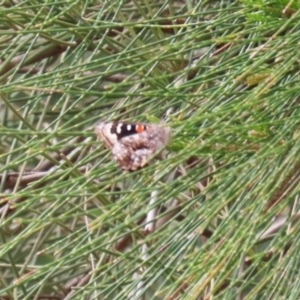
(288, 184)
(69, 151)
(25, 59)
(149, 228)
(28, 177)
(119, 77)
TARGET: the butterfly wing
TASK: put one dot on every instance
(134, 151)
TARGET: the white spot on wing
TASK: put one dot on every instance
(119, 128)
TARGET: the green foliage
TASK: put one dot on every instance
(224, 75)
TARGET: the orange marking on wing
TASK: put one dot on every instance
(139, 128)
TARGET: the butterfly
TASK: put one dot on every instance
(134, 145)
